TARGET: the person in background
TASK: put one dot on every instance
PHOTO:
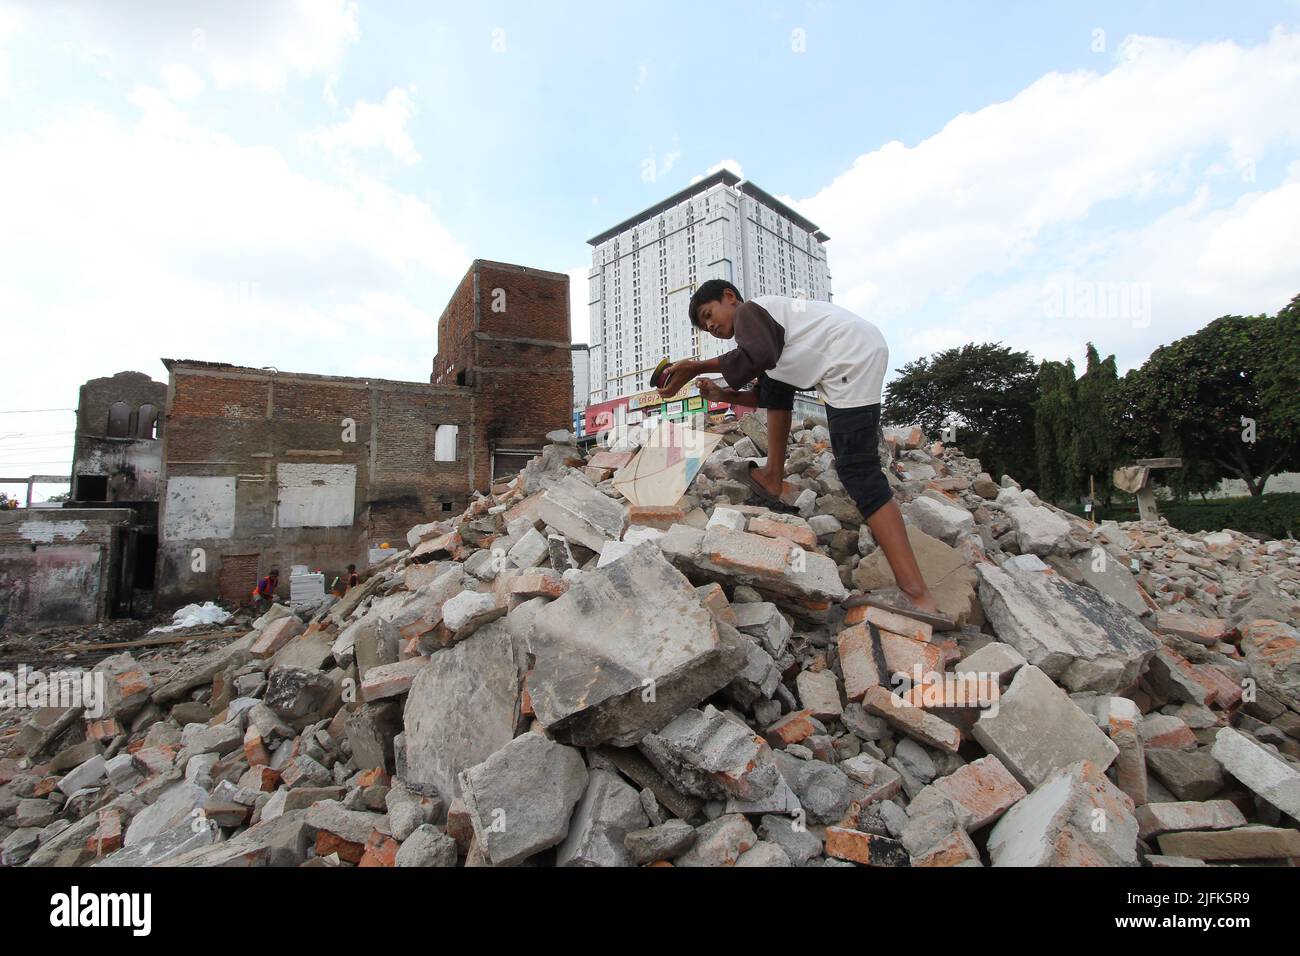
(353, 578)
(264, 594)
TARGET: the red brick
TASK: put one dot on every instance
(912, 721)
(381, 850)
(799, 534)
(790, 729)
(655, 516)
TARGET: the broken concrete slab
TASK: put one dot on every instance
(1189, 775)
(775, 566)
(1244, 843)
(582, 514)
(719, 842)
(1267, 775)
(1155, 819)
(461, 709)
(946, 522)
(1272, 650)
(1077, 636)
(709, 754)
(663, 842)
(625, 650)
(980, 792)
(763, 620)
(1058, 823)
(608, 811)
(520, 798)
(1036, 729)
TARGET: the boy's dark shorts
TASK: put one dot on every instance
(775, 395)
(855, 442)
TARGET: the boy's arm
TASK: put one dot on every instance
(712, 391)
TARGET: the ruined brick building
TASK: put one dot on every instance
(268, 469)
(94, 557)
(226, 471)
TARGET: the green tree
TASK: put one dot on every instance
(1095, 448)
(1054, 431)
(1223, 399)
(986, 391)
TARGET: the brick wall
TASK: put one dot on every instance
(244, 426)
(55, 565)
(508, 326)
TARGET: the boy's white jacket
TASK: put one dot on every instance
(828, 347)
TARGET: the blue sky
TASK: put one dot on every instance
(302, 184)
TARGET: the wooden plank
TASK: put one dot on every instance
(152, 641)
(1160, 462)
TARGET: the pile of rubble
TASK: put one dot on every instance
(557, 677)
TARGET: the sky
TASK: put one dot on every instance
(301, 183)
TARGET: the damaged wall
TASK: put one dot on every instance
(117, 456)
(56, 564)
(266, 469)
(505, 336)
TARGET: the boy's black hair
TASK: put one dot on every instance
(710, 291)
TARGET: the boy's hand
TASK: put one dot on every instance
(676, 376)
(710, 389)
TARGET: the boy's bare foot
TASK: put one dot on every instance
(772, 483)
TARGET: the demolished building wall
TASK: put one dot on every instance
(56, 565)
(117, 455)
(265, 469)
(505, 337)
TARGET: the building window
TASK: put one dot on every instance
(444, 443)
(146, 425)
(119, 420)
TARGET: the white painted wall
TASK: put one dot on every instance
(199, 507)
(316, 495)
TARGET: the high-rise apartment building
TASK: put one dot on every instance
(644, 269)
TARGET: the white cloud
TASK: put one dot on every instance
(372, 126)
(730, 164)
(129, 241)
(1076, 174)
(249, 44)
(182, 83)
(11, 23)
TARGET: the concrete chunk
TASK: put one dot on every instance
(461, 709)
(1036, 729)
(520, 798)
(708, 754)
(1157, 818)
(581, 513)
(1259, 770)
(608, 811)
(1077, 636)
(1076, 817)
(625, 650)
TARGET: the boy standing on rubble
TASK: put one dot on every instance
(788, 345)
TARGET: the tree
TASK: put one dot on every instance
(1095, 449)
(1054, 431)
(1223, 399)
(987, 391)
